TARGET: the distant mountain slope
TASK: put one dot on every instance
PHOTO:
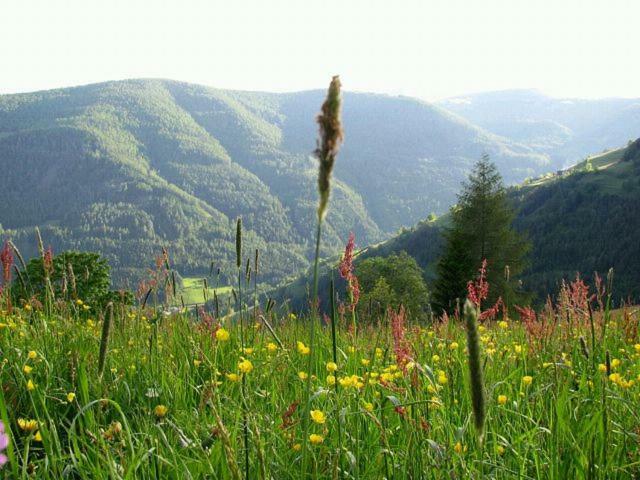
(564, 129)
(582, 220)
(126, 167)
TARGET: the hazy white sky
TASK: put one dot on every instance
(429, 49)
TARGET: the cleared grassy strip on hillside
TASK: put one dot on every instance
(193, 291)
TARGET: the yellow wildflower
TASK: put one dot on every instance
(222, 335)
(234, 377)
(27, 369)
(331, 367)
(27, 425)
(502, 399)
(245, 366)
(71, 397)
(303, 349)
(160, 411)
(272, 347)
(316, 439)
(526, 380)
(303, 375)
(317, 416)
(32, 355)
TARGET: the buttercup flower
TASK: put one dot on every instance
(245, 366)
(303, 349)
(160, 411)
(222, 335)
(317, 416)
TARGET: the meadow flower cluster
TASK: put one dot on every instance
(395, 399)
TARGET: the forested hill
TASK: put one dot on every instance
(123, 168)
(584, 219)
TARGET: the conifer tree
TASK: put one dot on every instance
(481, 228)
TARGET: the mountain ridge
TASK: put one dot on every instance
(126, 167)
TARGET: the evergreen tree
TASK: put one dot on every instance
(481, 228)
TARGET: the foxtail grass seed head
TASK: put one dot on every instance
(104, 340)
(40, 243)
(475, 367)
(583, 347)
(17, 253)
(72, 280)
(255, 265)
(239, 243)
(331, 136)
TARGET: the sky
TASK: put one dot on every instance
(429, 49)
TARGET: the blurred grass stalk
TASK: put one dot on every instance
(475, 368)
(245, 425)
(329, 141)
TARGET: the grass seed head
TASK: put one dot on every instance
(331, 136)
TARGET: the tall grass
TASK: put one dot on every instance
(380, 420)
(329, 141)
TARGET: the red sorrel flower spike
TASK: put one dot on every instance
(6, 258)
(346, 270)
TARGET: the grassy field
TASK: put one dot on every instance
(391, 401)
(611, 172)
(193, 291)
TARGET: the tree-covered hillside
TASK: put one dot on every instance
(124, 168)
(582, 220)
(585, 220)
